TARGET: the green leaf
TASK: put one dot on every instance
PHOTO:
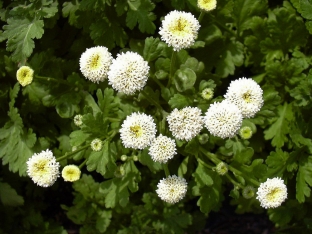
(152, 48)
(304, 179)
(140, 11)
(146, 160)
(69, 9)
(108, 103)
(183, 167)
(179, 101)
(202, 176)
(280, 128)
(277, 162)
(20, 34)
(102, 161)
(306, 9)
(184, 79)
(9, 197)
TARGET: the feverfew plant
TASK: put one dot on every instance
(150, 107)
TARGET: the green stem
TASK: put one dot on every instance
(212, 18)
(48, 79)
(166, 169)
(201, 16)
(83, 163)
(114, 119)
(151, 100)
(66, 155)
(204, 164)
(233, 181)
(172, 64)
(158, 82)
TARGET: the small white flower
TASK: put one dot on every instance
(95, 63)
(43, 169)
(162, 149)
(179, 29)
(128, 73)
(172, 189)
(207, 5)
(186, 123)
(78, 120)
(247, 95)
(71, 173)
(25, 75)
(272, 193)
(96, 144)
(207, 94)
(223, 119)
(137, 131)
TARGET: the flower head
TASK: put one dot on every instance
(247, 95)
(222, 168)
(95, 63)
(207, 5)
(245, 132)
(96, 144)
(137, 131)
(223, 119)
(71, 173)
(25, 75)
(172, 189)
(128, 73)
(78, 120)
(186, 123)
(249, 192)
(207, 94)
(43, 169)
(162, 149)
(179, 29)
(272, 193)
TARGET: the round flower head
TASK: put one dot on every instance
(78, 120)
(128, 73)
(245, 133)
(186, 123)
(207, 5)
(222, 168)
(96, 144)
(207, 94)
(179, 29)
(247, 95)
(95, 63)
(172, 189)
(162, 149)
(43, 169)
(71, 173)
(249, 192)
(25, 75)
(272, 193)
(137, 131)
(223, 119)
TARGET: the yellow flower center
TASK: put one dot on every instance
(247, 97)
(95, 61)
(136, 130)
(40, 166)
(273, 194)
(180, 28)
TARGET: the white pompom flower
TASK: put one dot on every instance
(179, 29)
(272, 193)
(95, 63)
(162, 149)
(223, 119)
(43, 168)
(247, 95)
(25, 75)
(207, 5)
(138, 131)
(172, 189)
(128, 73)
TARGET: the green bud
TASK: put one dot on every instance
(203, 138)
(222, 168)
(135, 158)
(245, 133)
(119, 172)
(249, 192)
(207, 93)
(124, 158)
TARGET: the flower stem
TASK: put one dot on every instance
(151, 100)
(233, 181)
(48, 79)
(172, 64)
(158, 82)
(212, 18)
(201, 16)
(166, 169)
(83, 163)
(66, 155)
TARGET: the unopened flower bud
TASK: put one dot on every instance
(203, 138)
(123, 158)
(222, 168)
(207, 94)
(96, 144)
(249, 192)
(119, 172)
(245, 133)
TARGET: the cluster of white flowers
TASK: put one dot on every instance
(272, 193)
(186, 123)
(128, 73)
(246, 94)
(71, 173)
(223, 119)
(43, 168)
(95, 63)
(179, 29)
(162, 149)
(137, 131)
(172, 189)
